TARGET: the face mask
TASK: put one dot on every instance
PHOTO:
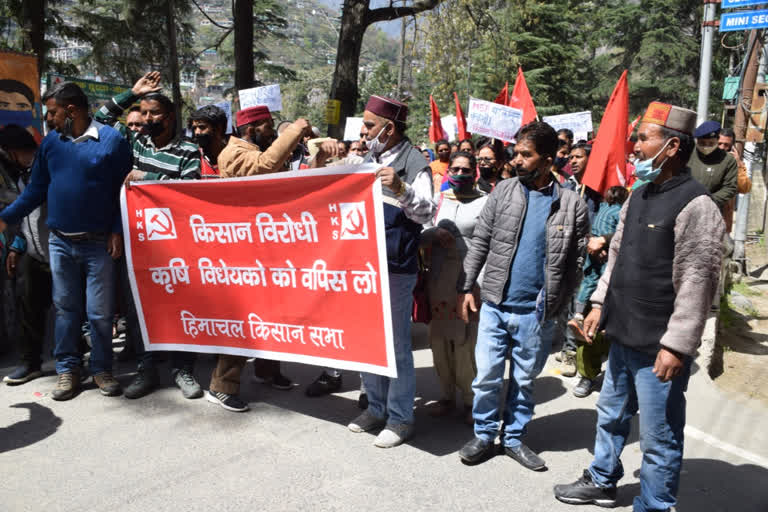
(22, 118)
(487, 172)
(377, 145)
(527, 178)
(560, 162)
(203, 139)
(461, 183)
(644, 169)
(155, 128)
(705, 150)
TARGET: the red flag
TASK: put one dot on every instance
(608, 161)
(436, 131)
(521, 98)
(632, 127)
(461, 121)
(503, 96)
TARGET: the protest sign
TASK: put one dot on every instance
(268, 95)
(580, 123)
(352, 128)
(450, 126)
(493, 120)
(289, 266)
(20, 92)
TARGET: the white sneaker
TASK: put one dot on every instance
(366, 422)
(394, 435)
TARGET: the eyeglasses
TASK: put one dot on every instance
(486, 159)
(460, 170)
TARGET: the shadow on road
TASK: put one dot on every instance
(715, 485)
(41, 424)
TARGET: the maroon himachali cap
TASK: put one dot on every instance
(253, 115)
(387, 108)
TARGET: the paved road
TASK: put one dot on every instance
(290, 452)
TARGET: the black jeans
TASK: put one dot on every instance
(36, 299)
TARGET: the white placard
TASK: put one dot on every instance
(493, 120)
(352, 128)
(268, 95)
(580, 123)
(450, 126)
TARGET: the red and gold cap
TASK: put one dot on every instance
(670, 116)
(252, 115)
(387, 108)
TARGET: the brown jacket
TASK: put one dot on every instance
(241, 158)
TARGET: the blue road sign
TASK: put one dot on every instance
(730, 4)
(743, 20)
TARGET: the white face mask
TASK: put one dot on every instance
(705, 150)
(377, 145)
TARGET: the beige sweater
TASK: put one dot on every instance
(699, 231)
(241, 158)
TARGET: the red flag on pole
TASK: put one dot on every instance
(503, 96)
(436, 131)
(632, 127)
(608, 161)
(461, 121)
(521, 98)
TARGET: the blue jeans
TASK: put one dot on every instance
(502, 333)
(630, 384)
(82, 269)
(393, 398)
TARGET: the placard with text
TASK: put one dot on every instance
(289, 266)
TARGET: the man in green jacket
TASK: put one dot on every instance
(713, 167)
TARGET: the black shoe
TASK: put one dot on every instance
(584, 492)
(362, 401)
(324, 385)
(281, 382)
(526, 457)
(22, 374)
(583, 387)
(229, 402)
(475, 451)
(145, 382)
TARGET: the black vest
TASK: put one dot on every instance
(641, 296)
(402, 233)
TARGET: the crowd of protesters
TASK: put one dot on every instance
(517, 258)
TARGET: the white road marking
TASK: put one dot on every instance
(726, 447)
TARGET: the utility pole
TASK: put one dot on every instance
(743, 114)
(705, 68)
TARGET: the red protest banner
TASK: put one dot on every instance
(289, 266)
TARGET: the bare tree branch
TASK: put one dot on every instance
(218, 41)
(392, 13)
(209, 18)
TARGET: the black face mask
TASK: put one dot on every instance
(66, 130)
(527, 178)
(204, 139)
(487, 173)
(560, 162)
(261, 141)
(154, 128)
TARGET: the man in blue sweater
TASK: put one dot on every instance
(78, 169)
(530, 238)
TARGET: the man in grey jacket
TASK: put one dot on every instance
(531, 237)
(652, 301)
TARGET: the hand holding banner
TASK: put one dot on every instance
(493, 120)
(289, 266)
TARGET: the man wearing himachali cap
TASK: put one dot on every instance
(662, 274)
(407, 188)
